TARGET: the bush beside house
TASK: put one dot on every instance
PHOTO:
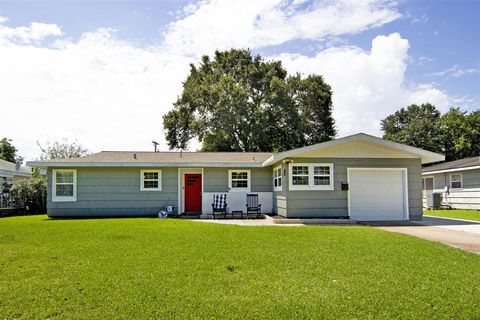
(30, 194)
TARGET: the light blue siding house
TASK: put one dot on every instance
(457, 181)
(359, 177)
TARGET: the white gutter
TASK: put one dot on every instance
(60, 164)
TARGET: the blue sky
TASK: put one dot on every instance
(379, 56)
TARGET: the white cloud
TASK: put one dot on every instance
(102, 91)
(221, 24)
(455, 71)
(34, 33)
(367, 86)
(110, 94)
(427, 93)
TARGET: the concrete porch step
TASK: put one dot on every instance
(312, 221)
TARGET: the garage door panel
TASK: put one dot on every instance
(376, 194)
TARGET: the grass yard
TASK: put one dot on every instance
(455, 213)
(152, 268)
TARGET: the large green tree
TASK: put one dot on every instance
(8, 152)
(461, 134)
(416, 125)
(455, 133)
(240, 102)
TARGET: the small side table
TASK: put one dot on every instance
(237, 212)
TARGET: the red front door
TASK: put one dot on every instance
(193, 192)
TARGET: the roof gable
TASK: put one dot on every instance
(359, 145)
(357, 149)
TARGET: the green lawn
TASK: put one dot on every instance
(459, 214)
(152, 268)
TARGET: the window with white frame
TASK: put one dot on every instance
(321, 175)
(456, 181)
(239, 180)
(151, 180)
(277, 178)
(311, 176)
(64, 185)
(299, 175)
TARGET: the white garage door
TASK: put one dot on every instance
(377, 194)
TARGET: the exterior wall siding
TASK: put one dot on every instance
(115, 192)
(334, 203)
(468, 197)
(216, 181)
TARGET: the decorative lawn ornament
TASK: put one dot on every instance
(163, 214)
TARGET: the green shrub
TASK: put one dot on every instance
(30, 194)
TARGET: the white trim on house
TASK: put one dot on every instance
(143, 180)
(73, 197)
(232, 189)
(65, 164)
(406, 208)
(450, 170)
(277, 178)
(181, 186)
(311, 177)
(424, 155)
(450, 181)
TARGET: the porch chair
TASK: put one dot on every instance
(253, 206)
(219, 205)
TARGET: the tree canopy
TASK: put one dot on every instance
(455, 133)
(461, 133)
(8, 152)
(240, 102)
(62, 150)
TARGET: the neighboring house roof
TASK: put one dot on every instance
(452, 166)
(365, 147)
(8, 169)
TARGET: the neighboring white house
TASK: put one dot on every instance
(10, 173)
(457, 181)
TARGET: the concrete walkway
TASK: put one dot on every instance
(268, 222)
(462, 234)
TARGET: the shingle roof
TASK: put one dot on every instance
(457, 164)
(10, 167)
(220, 159)
(141, 157)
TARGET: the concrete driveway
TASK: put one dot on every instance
(462, 234)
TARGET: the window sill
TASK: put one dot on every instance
(239, 190)
(64, 199)
(326, 188)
